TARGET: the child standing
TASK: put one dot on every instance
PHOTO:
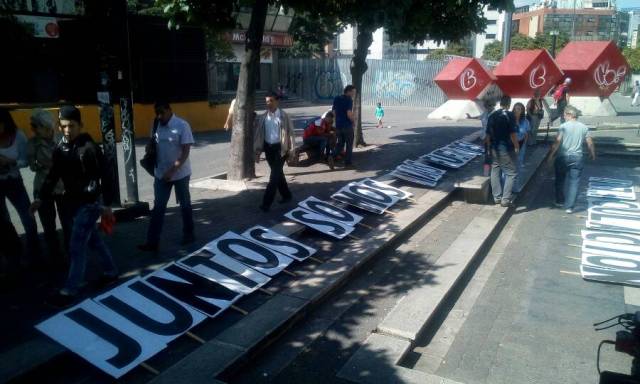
(379, 114)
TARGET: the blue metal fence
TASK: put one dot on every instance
(391, 82)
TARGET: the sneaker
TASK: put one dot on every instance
(506, 204)
(188, 239)
(558, 205)
(497, 201)
(331, 163)
(569, 211)
(60, 300)
(148, 247)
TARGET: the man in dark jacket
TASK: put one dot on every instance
(79, 163)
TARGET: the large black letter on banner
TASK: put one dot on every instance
(201, 259)
(194, 290)
(128, 348)
(299, 251)
(181, 322)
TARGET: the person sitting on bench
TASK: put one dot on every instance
(321, 134)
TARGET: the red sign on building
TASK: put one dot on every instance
(464, 79)
(521, 73)
(596, 68)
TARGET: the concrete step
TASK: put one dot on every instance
(379, 357)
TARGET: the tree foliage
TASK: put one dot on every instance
(633, 57)
(311, 34)
(452, 49)
(493, 50)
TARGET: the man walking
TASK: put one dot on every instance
(502, 140)
(79, 163)
(343, 111)
(274, 135)
(173, 139)
(635, 93)
(569, 147)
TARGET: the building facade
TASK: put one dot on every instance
(493, 32)
(589, 20)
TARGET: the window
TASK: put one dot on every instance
(492, 22)
(490, 35)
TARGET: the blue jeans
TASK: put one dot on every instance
(567, 188)
(162, 192)
(318, 141)
(345, 137)
(517, 187)
(13, 189)
(503, 163)
(83, 233)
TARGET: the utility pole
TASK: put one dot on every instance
(506, 33)
(573, 22)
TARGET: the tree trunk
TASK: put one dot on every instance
(241, 157)
(358, 68)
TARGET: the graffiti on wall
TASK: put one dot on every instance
(328, 84)
(395, 85)
(606, 76)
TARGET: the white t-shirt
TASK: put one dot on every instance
(272, 127)
(169, 140)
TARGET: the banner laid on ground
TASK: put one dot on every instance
(611, 246)
(123, 327)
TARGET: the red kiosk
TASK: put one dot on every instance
(596, 69)
(464, 81)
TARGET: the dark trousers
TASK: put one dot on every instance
(10, 246)
(47, 213)
(13, 189)
(345, 138)
(162, 192)
(567, 188)
(277, 181)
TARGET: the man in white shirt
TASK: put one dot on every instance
(274, 135)
(173, 139)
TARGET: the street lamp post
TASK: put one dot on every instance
(554, 38)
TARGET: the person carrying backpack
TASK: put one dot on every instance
(79, 162)
(561, 99)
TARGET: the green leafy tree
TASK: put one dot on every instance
(452, 49)
(412, 21)
(311, 34)
(633, 57)
(493, 50)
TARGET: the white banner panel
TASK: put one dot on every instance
(624, 251)
(413, 179)
(418, 173)
(611, 237)
(102, 337)
(193, 289)
(611, 203)
(331, 211)
(224, 270)
(425, 167)
(151, 309)
(280, 243)
(610, 275)
(320, 223)
(251, 253)
(387, 189)
(444, 161)
(364, 197)
(612, 182)
(612, 263)
(625, 194)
